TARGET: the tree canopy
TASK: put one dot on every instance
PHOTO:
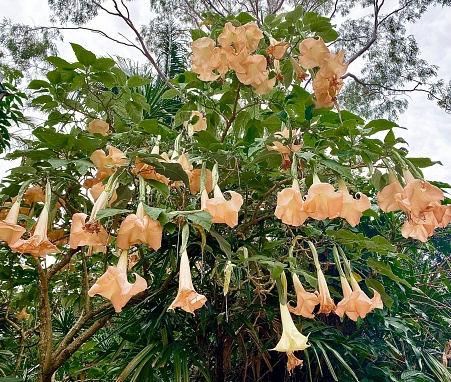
(230, 216)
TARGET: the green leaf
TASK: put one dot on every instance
(170, 94)
(203, 218)
(423, 162)
(134, 111)
(376, 285)
(135, 81)
(59, 62)
(84, 56)
(223, 244)
(337, 167)
(244, 18)
(385, 269)
(157, 214)
(120, 75)
(390, 138)
(161, 187)
(108, 212)
(197, 34)
(103, 63)
(173, 171)
(379, 125)
(38, 84)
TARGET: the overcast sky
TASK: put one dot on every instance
(428, 127)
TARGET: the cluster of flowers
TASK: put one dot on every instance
(355, 304)
(321, 202)
(234, 53)
(327, 82)
(421, 201)
(236, 44)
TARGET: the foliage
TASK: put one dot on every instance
(231, 336)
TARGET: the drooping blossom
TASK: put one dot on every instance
(306, 301)
(254, 70)
(301, 75)
(34, 195)
(221, 210)
(389, 197)
(114, 285)
(264, 87)
(290, 206)
(23, 315)
(419, 195)
(187, 298)
(194, 181)
(139, 229)
(323, 201)
(276, 49)
(313, 52)
(292, 339)
(355, 302)
(97, 189)
(206, 58)
(97, 126)
(10, 231)
(106, 164)
(326, 302)
(90, 232)
(352, 207)
(199, 125)
(38, 245)
(285, 150)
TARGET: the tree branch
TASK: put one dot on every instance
(61, 264)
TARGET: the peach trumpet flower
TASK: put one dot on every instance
(306, 301)
(187, 298)
(90, 232)
(352, 208)
(221, 210)
(313, 52)
(10, 231)
(200, 125)
(139, 229)
(38, 245)
(355, 302)
(292, 339)
(97, 126)
(323, 201)
(326, 302)
(114, 286)
(106, 163)
(388, 198)
(277, 49)
(290, 206)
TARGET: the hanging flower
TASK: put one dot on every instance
(221, 210)
(106, 163)
(114, 286)
(34, 195)
(352, 208)
(389, 197)
(199, 125)
(291, 339)
(38, 245)
(187, 298)
(194, 181)
(10, 231)
(355, 302)
(276, 49)
(139, 229)
(290, 206)
(301, 75)
(306, 301)
(322, 201)
(90, 233)
(327, 304)
(97, 126)
(313, 52)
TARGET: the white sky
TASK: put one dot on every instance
(429, 127)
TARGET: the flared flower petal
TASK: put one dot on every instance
(10, 231)
(114, 286)
(322, 201)
(97, 126)
(221, 210)
(187, 298)
(353, 207)
(292, 339)
(90, 233)
(290, 206)
(139, 229)
(306, 301)
(38, 245)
